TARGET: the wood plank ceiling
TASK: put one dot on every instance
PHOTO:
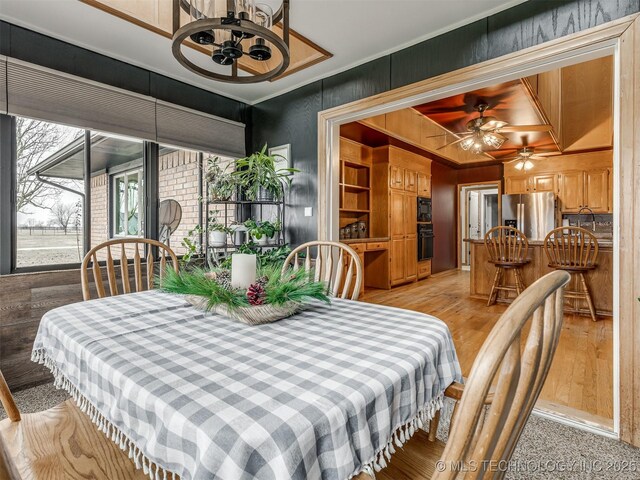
(577, 101)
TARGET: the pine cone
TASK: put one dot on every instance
(255, 294)
(262, 281)
(223, 277)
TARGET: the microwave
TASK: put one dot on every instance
(424, 209)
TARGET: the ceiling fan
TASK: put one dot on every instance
(487, 131)
(524, 159)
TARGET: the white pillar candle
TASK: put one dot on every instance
(243, 270)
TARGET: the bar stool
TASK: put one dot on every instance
(574, 250)
(507, 247)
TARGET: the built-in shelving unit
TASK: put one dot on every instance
(355, 183)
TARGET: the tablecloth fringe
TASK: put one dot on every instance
(401, 435)
(150, 468)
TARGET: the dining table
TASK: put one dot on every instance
(327, 393)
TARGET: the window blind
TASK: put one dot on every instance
(3, 84)
(49, 95)
(188, 128)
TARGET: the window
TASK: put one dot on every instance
(49, 194)
(71, 196)
(128, 197)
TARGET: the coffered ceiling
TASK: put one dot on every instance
(354, 31)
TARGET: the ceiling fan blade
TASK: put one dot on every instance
(452, 143)
(526, 128)
(494, 125)
(446, 134)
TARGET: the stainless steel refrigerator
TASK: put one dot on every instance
(532, 213)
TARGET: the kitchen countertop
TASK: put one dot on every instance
(602, 242)
(364, 240)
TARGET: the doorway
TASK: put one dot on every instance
(479, 212)
(618, 38)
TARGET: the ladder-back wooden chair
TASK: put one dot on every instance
(517, 361)
(115, 253)
(507, 248)
(59, 443)
(335, 263)
(574, 250)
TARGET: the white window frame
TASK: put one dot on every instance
(114, 212)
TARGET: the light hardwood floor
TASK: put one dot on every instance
(580, 382)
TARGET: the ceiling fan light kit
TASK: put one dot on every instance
(486, 131)
(233, 29)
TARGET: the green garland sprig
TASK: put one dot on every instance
(279, 289)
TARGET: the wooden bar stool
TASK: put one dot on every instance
(574, 250)
(507, 247)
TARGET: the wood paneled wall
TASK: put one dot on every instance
(292, 117)
(24, 298)
(444, 181)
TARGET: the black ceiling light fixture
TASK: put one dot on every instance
(233, 29)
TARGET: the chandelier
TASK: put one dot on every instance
(231, 29)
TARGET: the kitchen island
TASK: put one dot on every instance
(600, 280)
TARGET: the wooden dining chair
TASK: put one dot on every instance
(335, 263)
(114, 252)
(56, 444)
(517, 361)
(574, 250)
(507, 248)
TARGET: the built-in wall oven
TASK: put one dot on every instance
(425, 241)
(424, 209)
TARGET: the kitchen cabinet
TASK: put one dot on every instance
(543, 183)
(411, 254)
(515, 185)
(424, 185)
(397, 259)
(571, 191)
(596, 185)
(581, 189)
(410, 180)
(403, 230)
(396, 177)
(530, 183)
(424, 269)
(580, 180)
(396, 214)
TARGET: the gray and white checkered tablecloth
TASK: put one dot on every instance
(324, 394)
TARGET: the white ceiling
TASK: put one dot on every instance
(355, 31)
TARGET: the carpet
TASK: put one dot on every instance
(547, 450)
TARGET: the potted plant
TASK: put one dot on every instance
(218, 233)
(191, 245)
(258, 177)
(261, 232)
(222, 184)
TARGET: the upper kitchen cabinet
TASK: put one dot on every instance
(585, 189)
(580, 180)
(545, 182)
(424, 185)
